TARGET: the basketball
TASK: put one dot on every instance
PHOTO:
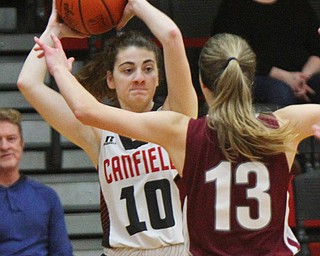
(91, 17)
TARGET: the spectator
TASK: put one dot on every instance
(31, 214)
(283, 34)
(141, 212)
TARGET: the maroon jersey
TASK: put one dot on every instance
(236, 208)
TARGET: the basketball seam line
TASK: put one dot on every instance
(81, 16)
(110, 14)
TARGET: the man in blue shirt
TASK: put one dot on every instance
(31, 214)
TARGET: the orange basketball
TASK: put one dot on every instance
(91, 17)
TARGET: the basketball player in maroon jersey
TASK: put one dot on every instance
(235, 167)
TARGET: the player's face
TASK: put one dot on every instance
(11, 146)
(135, 78)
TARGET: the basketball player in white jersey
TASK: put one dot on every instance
(141, 212)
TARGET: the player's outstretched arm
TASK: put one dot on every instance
(303, 118)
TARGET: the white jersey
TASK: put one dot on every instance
(140, 201)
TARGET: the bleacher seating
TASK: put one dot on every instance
(51, 158)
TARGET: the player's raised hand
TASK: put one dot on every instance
(55, 56)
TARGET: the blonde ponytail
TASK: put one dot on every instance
(227, 65)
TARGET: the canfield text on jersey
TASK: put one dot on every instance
(128, 166)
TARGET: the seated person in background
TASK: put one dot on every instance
(31, 214)
(283, 34)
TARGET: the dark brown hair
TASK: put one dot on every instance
(93, 75)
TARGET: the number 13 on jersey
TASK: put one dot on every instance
(222, 176)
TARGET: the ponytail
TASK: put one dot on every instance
(227, 66)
